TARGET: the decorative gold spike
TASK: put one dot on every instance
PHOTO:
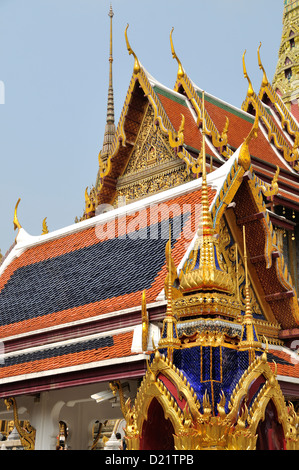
(250, 343)
(247, 298)
(137, 67)
(250, 91)
(244, 157)
(145, 322)
(172, 274)
(206, 275)
(181, 72)
(110, 126)
(170, 339)
(265, 79)
(45, 227)
(16, 222)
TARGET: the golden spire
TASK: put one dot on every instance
(249, 339)
(136, 68)
(145, 322)
(209, 274)
(169, 338)
(181, 72)
(286, 73)
(110, 126)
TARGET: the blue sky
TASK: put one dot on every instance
(54, 68)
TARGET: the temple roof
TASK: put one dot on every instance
(227, 127)
(69, 279)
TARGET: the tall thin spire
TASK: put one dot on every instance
(249, 338)
(285, 77)
(170, 338)
(110, 126)
(205, 270)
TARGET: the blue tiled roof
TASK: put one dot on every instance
(104, 270)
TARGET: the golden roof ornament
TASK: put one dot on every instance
(244, 158)
(169, 336)
(16, 222)
(249, 339)
(265, 79)
(180, 72)
(145, 322)
(137, 67)
(45, 227)
(208, 274)
(250, 91)
(110, 126)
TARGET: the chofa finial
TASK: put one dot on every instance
(250, 91)
(265, 79)
(181, 72)
(130, 50)
(16, 222)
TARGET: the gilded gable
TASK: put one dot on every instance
(153, 165)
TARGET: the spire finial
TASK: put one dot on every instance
(249, 339)
(169, 338)
(110, 126)
(206, 215)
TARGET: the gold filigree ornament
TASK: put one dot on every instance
(270, 190)
(196, 426)
(27, 433)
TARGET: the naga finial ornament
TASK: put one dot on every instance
(16, 222)
(250, 87)
(181, 72)
(265, 79)
(130, 50)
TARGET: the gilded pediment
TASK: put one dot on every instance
(153, 165)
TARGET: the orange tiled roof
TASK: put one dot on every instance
(286, 362)
(81, 275)
(68, 355)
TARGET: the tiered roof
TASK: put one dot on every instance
(70, 300)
